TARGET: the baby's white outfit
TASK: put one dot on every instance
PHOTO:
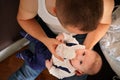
(67, 53)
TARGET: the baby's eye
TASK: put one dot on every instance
(81, 62)
(83, 53)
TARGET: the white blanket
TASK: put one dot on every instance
(110, 43)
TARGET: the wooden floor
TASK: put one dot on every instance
(11, 64)
(8, 66)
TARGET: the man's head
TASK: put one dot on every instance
(87, 61)
(83, 14)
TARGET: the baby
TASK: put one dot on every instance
(77, 59)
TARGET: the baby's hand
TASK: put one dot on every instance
(60, 37)
(48, 64)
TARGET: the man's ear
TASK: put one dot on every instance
(79, 73)
(54, 10)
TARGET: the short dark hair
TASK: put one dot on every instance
(84, 14)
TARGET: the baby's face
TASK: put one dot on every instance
(84, 59)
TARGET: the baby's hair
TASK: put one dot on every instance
(96, 66)
(83, 14)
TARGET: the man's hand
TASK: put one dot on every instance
(51, 44)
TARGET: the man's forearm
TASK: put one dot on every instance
(94, 36)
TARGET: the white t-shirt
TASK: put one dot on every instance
(52, 21)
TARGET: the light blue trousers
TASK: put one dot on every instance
(27, 73)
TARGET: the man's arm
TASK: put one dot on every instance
(94, 36)
(26, 18)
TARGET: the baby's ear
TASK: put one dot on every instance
(79, 73)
